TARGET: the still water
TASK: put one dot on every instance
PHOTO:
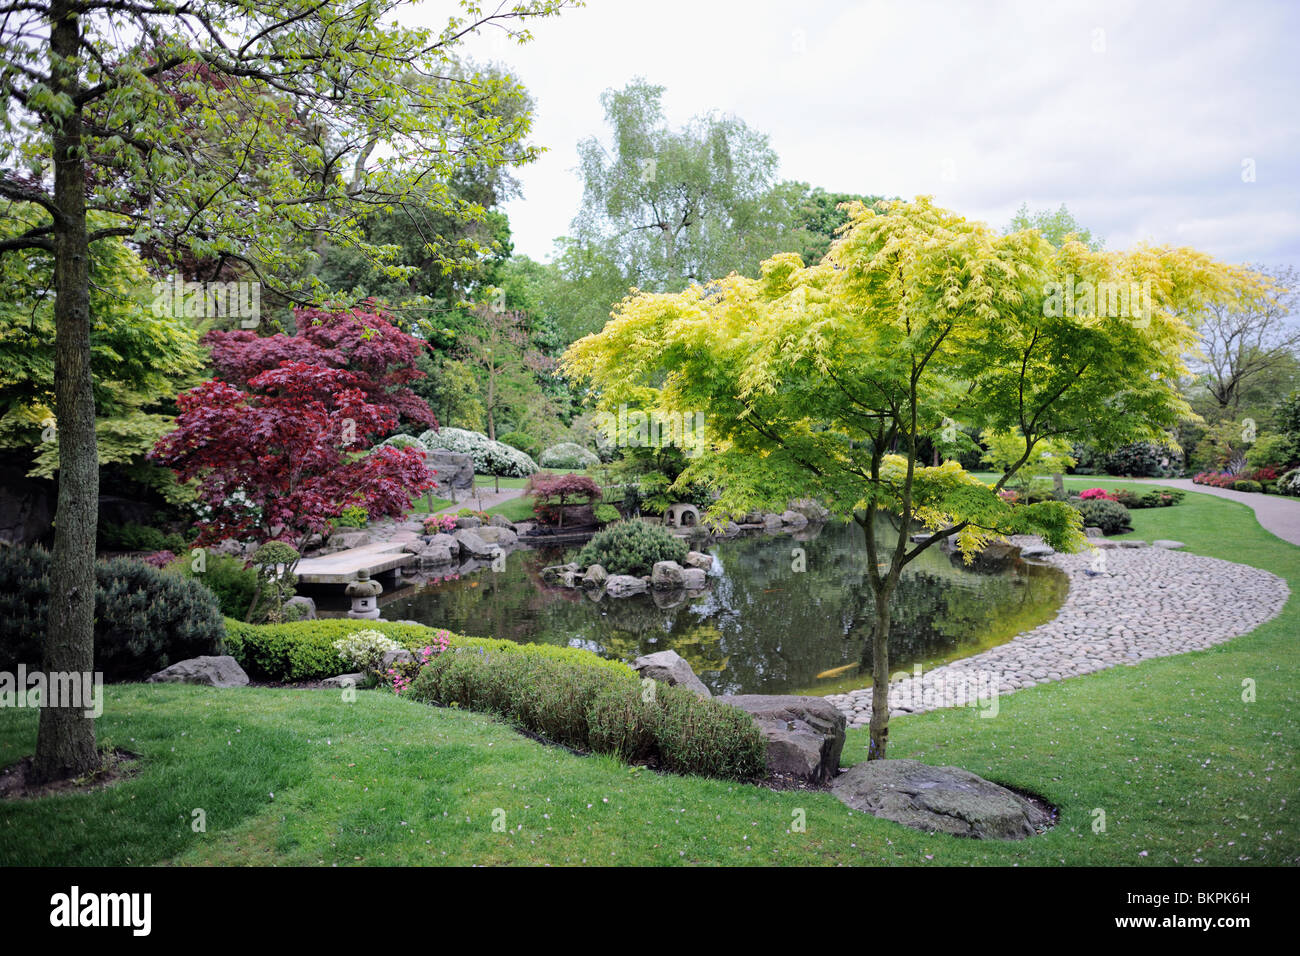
(761, 627)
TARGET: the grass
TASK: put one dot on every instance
(516, 509)
(1184, 770)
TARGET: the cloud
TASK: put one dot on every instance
(1137, 116)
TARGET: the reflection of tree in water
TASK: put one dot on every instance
(761, 627)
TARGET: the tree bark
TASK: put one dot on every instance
(65, 741)
(880, 681)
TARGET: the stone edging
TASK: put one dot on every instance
(1124, 605)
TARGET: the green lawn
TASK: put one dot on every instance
(516, 509)
(1185, 772)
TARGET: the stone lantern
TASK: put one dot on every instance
(365, 596)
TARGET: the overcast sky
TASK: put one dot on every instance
(1144, 118)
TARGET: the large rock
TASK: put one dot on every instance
(435, 554)
(468, 521)
(667, 576)
(501, 521)
(939, 800)
(220, 671)
(493, 534)
(794, 519)
(624, 585)
(472, 546)
(554, 574)
(805, 735)
(997, 556)
(693, 579)
(452, 471)
(810, 509)
(308, 612)
(344, 680)
(670, 668)
(698, 559)
(595, 577)
(351, 538)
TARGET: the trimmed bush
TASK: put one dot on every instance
(490, 457)
(232, 580)
(403, 442)
(524, 442)
(304, 650)
(632, 547)
(1110, 516)
(145, 619)
(1247, 485)
(136, 537)
(568, 455)
(1289, 483)
(591, 709)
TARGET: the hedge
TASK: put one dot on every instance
(304, 650)
(598, 710)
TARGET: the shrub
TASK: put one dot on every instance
(490, 457)
(1270, 450)
(1092, 494)
(364, 650)
(632, 547)
(1246, 484)
(1110, 516)
(568, 455)
(600, 711)
(606, 514)
(304, 650)
(232, 581)
(1142, 459)
(439, 524)
(1289, 483)
(145, 619)
(1155, 498)
(353, 516)
(404, 441)
(524, 442)
(136, 537)
(552, 493)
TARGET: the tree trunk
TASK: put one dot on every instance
(65, 740)
(879, 681)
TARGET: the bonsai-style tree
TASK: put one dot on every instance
(280, 461)
(820, 381)
(552, 492)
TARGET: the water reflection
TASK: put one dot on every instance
(762, 627)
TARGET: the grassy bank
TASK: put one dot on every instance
(1184, 771)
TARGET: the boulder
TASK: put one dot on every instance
(308, 606)
(793, 519)
(468, 521)
(1094, 532)
(399, 656)
(772, 522)
(810, 509)
(351, 538)
(698, 559)
(434, 555)
(344, 680)
(554, 574)
(595, 576)
(444, 541)
(667, 576)
(501, 521)
(222, 671)
(571, 579)
(624, 585)
(805, 735)
(670, 668)
(693, 579)
(493, 534)
(472, 546)
(996, 556)
(939, 800)
(452, 471)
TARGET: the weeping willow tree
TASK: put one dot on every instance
(823, 380)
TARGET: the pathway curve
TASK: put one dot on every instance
(1276, 514)
(488, 499)
(1125, 605)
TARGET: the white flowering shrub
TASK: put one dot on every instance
(490, 457)
(405, 441)
(1289, 483)
(567, 455)
(365, 650)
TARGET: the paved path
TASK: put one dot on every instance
(1276, 514)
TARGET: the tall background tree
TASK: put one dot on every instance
(214, 131)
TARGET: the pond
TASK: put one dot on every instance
(761, 627)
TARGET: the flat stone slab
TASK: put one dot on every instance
(939, 800)
(342, 567)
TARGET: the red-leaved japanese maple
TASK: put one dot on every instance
(552, 493)
(380, 356)
(283, 457)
